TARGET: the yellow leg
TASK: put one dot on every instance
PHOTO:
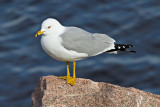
(68, 77)
(72, 81)
(74, 69)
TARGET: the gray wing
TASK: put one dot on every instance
(82, 41)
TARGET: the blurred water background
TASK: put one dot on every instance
(23, 62)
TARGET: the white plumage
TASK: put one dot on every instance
(72, 43)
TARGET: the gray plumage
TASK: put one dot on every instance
(81, 41)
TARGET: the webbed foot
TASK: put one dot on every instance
(72, 81)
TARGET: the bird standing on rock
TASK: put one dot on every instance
(72, 44)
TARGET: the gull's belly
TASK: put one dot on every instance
(53, 47)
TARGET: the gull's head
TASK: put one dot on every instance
(49, 26)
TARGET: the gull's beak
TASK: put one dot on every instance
(39, 33)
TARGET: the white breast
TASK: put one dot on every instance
(51, 44)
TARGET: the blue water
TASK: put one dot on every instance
(23, 62)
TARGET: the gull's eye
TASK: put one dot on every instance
(49, 27)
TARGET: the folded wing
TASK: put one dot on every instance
(81, 41)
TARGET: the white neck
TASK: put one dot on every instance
(58, 30)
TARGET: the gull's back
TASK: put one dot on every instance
(81, 41)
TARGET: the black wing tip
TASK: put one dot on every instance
(132, 51)
(129, 45)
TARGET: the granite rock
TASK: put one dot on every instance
(54, 92)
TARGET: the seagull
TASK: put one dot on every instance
(70, 44)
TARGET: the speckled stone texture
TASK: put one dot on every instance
(54, 92)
